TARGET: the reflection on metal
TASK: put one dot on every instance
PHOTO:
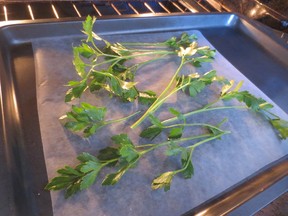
(190, 8)
(115, 8)
(284, 37)
(96, 9)
(161, 5)
(271, 10)
(215, 4)
(203, 213)
(30, 12)
(55, 11)
(177, 6)
(201, 5)
(5, 13)
(257, 11)
(226, 8)
(149, 8)
(75, 8)
(131, 6)
(230, 19)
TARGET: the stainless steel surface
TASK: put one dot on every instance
(43, 9)
(249, 46)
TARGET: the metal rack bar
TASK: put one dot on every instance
(177, 6)
(5, 13)
(135, 11)
(164, 8)
(55, 11)
(149, 8)
(116, 9)
(30, 11)
(189, 7)
(96, 9)
(76, 9)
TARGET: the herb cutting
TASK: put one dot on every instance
(109, 69)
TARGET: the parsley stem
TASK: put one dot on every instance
(121, 119)
(203, 110)
(142, 44)
(208, 139)
(159, 100)
(157, 145)
(277, 117)
(192, 147)
(192, 125)
(187, 164)
(116, 57)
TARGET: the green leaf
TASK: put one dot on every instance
(175, 133)
(250, 100)
(86, 51)
(91, 170)
(227, 87)
(151, 132)
(85, 118)
(184, 41)
(120, 49)
(88, 27)
(115, 86)
(174, 112)
(187, 164)
(88, 179)
(147, 97)
(206, 51)
(129, 95)
(75, 126)
(78, 90)
(163, 181)
(78, 63)
(93, 112)
(69, 171)
(196, 87)
(265, 106)
(108, 154)
(281, 126)
(127, 149)
(59, 183)
(155, 121)
(128, 152)
(127, 85)
(85, 157)
(173, 149)
(113, 178)
(122, 140)
(196, 83)
(72, 189)
(90, 166)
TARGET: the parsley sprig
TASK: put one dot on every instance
(125, 156)
(108, 68)
(229, 91)
(193, 82)
(88, 119)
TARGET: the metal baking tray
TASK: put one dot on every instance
(251, 47)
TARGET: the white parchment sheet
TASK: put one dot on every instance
(218, 165)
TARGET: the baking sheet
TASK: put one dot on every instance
(218, 165)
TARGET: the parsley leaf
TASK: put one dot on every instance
(281, 126)
(87, 119)
(163, 181)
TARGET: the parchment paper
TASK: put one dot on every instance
(218, 165)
